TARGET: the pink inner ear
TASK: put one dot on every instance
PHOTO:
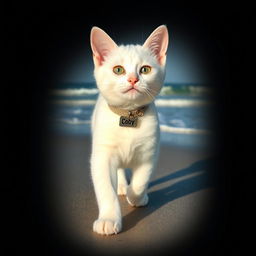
(101, 44)
(157, 42)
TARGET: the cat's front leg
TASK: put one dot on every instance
(104, 175)
(137, 190)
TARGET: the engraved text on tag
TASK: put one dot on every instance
(128, 122)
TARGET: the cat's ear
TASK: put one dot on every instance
(101, 44)
(157, 42)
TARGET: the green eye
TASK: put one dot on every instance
(119, 70)
(145, 69)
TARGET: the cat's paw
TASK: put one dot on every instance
(137, 201)
(122, 189)
(107, 226)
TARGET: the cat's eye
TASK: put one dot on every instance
(145, 69)
(119, 70)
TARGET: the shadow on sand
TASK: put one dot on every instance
(200, 175)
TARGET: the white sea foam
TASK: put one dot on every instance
(166, 90)
(158, 102)
(177, 123)
(181, 103)
(200, 89)
(186, 89)
(73, 121)
(77, 111)
(182, 130)
(74, 92)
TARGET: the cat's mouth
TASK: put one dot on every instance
(132, 89)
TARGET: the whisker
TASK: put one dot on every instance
(152, 90)
(150, 96)
(148, 93)
(149, 90)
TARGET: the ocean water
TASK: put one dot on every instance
(185, 112)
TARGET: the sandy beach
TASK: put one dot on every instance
(181, 200)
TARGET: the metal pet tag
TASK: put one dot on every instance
(128, 122)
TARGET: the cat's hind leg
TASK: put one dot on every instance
(137, 190)
(122, 182)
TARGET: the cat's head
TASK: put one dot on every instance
(129, 76)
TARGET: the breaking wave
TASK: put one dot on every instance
(158, 102)
(166, 90)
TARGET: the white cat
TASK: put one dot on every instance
(124, 123)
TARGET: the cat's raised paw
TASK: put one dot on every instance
(138, 201)
(122, 189)
(106, 226)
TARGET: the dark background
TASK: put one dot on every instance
(37, 41)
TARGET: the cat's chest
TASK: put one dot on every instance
(129, 133)
(129, 144)
(113, 133)
(108, 130)
(134, 145)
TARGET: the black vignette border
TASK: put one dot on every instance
(36, 42)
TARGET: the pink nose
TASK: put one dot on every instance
(133, 80)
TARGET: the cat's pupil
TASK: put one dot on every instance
(119, 70)
(145, 69)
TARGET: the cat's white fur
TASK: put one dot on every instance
(115, 148)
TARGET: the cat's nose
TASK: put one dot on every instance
(133, 80)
